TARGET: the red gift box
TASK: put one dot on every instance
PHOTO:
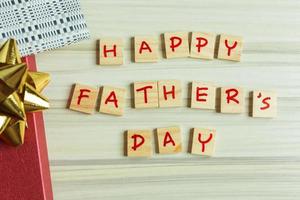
(24, 170)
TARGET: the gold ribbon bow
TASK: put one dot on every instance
(19, 93)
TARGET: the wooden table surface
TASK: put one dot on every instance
(254, 158)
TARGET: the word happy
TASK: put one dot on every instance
(168, 93)
(176, 45)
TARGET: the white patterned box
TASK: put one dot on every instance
(40, 25)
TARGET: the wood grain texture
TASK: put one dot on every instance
(254, 158)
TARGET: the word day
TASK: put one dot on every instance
(168, 93)
(138, 143)
(176, 45)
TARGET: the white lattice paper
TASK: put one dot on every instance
(40, 25)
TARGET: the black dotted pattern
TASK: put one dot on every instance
(40, 25)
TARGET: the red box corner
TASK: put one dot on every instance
(24, 170)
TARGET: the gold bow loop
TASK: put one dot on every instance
(20, 92)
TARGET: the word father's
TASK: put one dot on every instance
(175, 45)
(168, 93)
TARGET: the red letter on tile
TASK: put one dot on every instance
(168, 139)
(230, 96)
(169, 92)
(199, 95)
(81, 95)
(114, 50)
(204, 142)
(112, 98)
(173, 44)
(267, 105)
(230, 47)
(202, 42)
(145, 92)
(264, 101)
(137, 144)
(144, 46)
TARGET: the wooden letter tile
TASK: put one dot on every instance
(264, 104)
(110, 51)
(203, 141)
(145, 49)
(232, 100)
(84, 99)
(145, 94)
(112, 100)
(203, 45)
(203, 96)
(169, 140)
(139, 143)
(177, 45)
(169, 93)
(230, 47)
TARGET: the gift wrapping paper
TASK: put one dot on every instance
(40, 25)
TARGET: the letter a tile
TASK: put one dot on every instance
(112, 100)
(169, 140)
(145, 49)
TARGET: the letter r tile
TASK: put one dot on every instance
(232, 100)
